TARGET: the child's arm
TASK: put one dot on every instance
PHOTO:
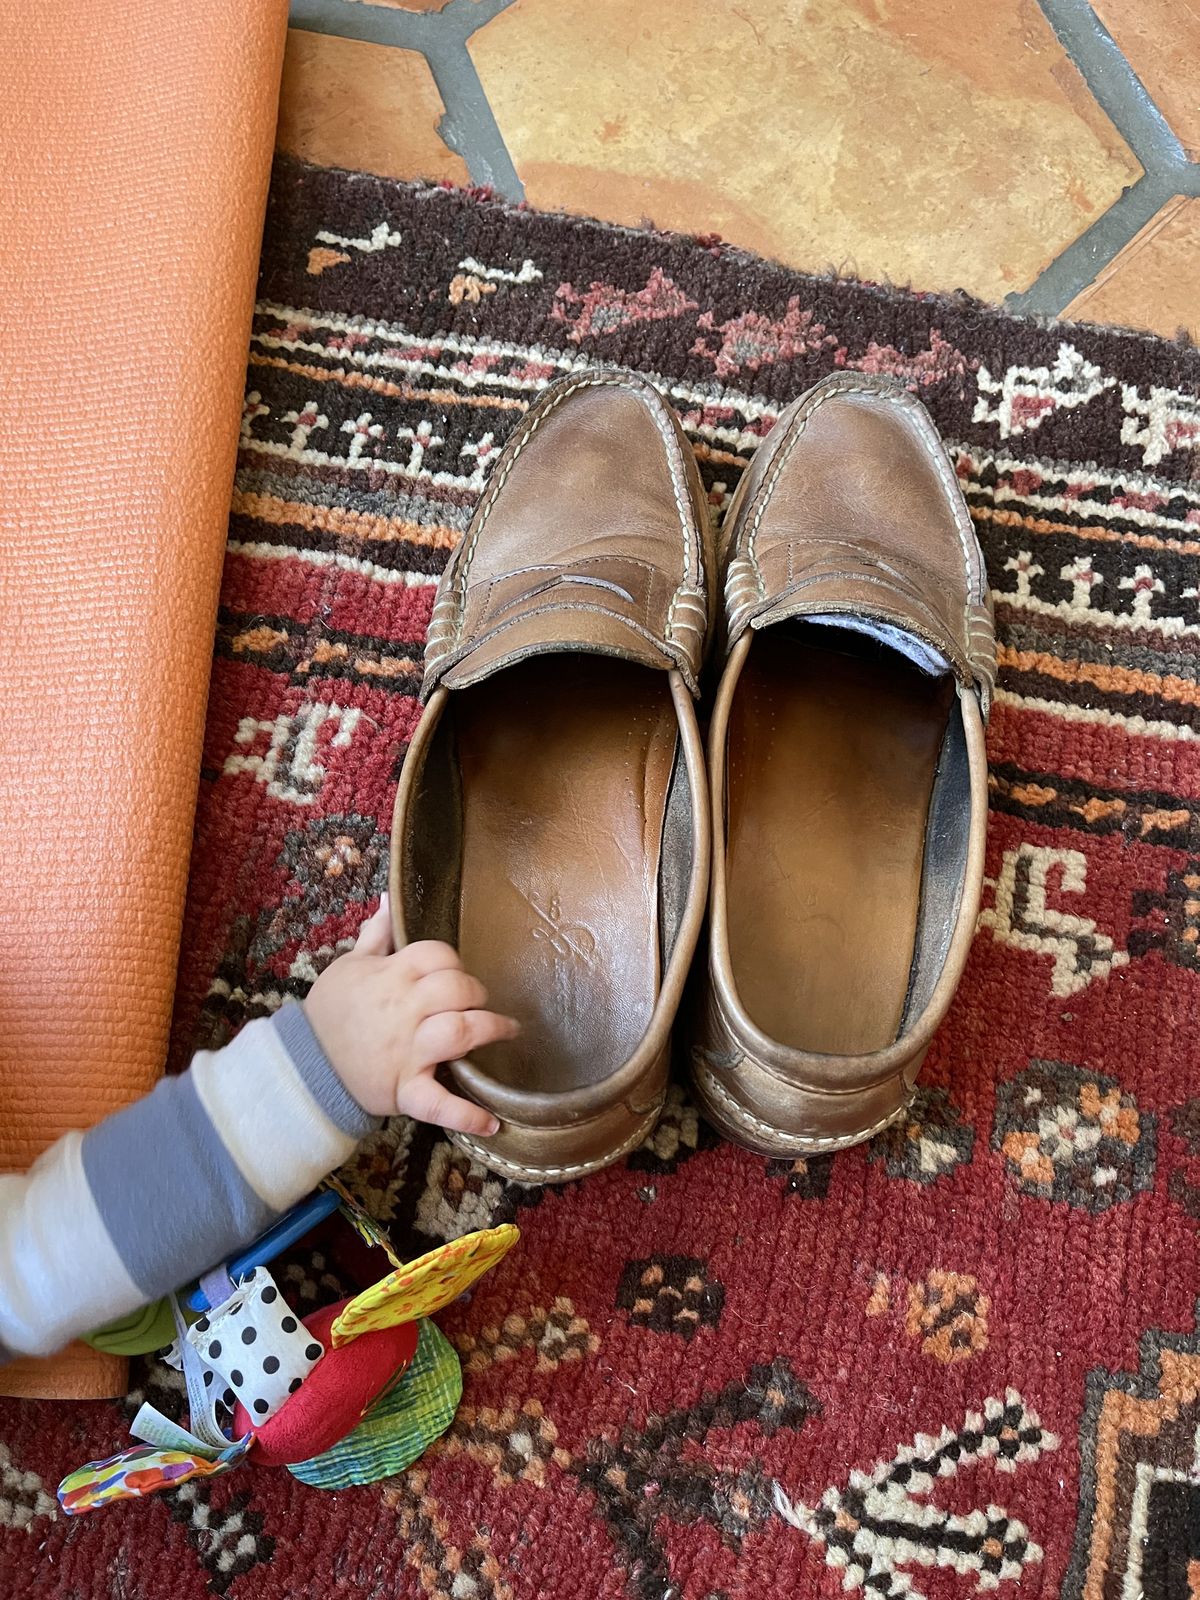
(113, 1218)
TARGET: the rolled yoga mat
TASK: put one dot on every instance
(135, 146)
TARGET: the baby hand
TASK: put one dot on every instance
(386, 1019)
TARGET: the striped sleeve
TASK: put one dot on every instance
(171, 1185)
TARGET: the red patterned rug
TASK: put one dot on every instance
(960, 1359)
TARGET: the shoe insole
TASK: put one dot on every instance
(832, 758)
(566, 763)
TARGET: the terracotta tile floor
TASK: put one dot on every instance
(1161, 40)
(876, 139)
(1155, 280)
(938, 143)
(365, 106)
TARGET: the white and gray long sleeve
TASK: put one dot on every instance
(110, 1219)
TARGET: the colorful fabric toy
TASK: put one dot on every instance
(334, 1398)
(397, 1429)
(139, 1472)
(351, 1393)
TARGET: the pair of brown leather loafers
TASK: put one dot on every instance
(557, 821)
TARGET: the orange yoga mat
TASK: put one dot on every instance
(135, 145)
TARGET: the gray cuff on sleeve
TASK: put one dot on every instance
(318, 1073)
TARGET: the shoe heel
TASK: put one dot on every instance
(537, 1156)
(844, 1119)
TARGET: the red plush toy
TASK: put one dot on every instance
(335, 1396)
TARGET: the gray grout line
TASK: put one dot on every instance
(1123, 98)
(387, 24)
(1081, 262)
(1113, 83)
(469, 127)
(371, 24)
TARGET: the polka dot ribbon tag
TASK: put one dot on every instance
(256, 1346)
(426, 1285)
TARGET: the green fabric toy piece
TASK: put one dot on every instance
(148, 1328)
(401, 1424)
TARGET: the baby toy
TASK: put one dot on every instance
(348, 1394)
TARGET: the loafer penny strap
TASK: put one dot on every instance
(869, 590)
(607, 605)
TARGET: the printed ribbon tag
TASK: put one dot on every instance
(151, 1427)
(170, 1454)
(203, 1395)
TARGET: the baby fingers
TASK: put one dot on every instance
(448, 990)
(449, 1035)
(426, 1099)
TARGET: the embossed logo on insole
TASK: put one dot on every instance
(568, 940)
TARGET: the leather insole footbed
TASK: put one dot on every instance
(832, 754)
(566, 764)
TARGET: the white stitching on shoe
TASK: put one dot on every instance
(930, 444)
(739, 1114)
(932, 447)
(695, 619)
(516, 1170)
(653, 404)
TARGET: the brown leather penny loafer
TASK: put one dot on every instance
(552, 818)
(848, 772)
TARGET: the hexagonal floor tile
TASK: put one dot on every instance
(1152, 283)
(1161, 42)
(918, 141)
(368, 107)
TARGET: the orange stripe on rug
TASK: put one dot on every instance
(337, 519)
(386, 386)
(1116, 680)
(723, 458)
(1142, 541)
